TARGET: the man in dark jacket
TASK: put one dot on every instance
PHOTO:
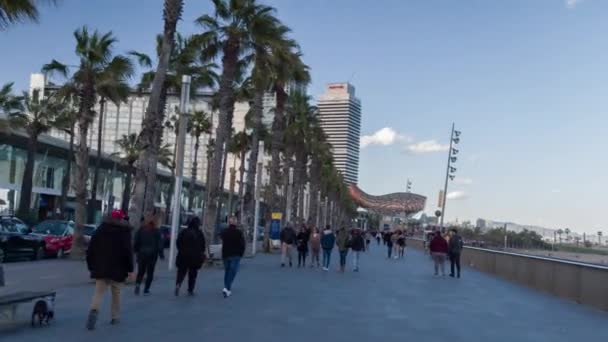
(328, 240)
(454, 251)
(233, 249)
(190, 254)
(288, 239)
(358, 246)
(110, 261)
(148, 246)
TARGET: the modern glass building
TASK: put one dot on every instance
(340, 116)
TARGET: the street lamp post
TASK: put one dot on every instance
(179, 165)
(449, 172)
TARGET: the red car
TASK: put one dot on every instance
(58, 236)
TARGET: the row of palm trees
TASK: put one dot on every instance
(256, 56)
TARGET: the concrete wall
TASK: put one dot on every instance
(583, 283)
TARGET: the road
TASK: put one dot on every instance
(389, 300)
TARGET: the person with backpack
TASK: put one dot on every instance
(343, 243)
(191, 247)
(148, 246)
(327, 244)
(358, 246)
(288, 239)
(302, 244)
(454, 250)
(110, 261)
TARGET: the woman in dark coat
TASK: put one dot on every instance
(302, 243)
(190, 254)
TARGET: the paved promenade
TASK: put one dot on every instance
(396, 300)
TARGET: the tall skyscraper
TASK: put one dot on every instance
(340, 116)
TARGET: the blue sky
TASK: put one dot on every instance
(524, 80)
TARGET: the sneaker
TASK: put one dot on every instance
(92, 319)
(325, 269)
(115, 321)
(190, 293)
(137, 289)
(458, 276)
(282, 265)
(146, 292)
(452, 275)
(226, 293)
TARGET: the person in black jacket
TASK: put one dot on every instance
(358, 246)
(148, 246)
(288, 239)
(110, 261)
(302, 244)
(454, 250)
(233, 249)
(190, 254)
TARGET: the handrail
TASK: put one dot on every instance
(564, 261)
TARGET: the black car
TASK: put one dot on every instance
(16, 240)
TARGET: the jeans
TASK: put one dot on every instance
(231, 267)
(343, 258)
(439, 259)
(181, 274)
(356, 255)
(101, 285)
(145, 266)
(390, 251)
(455, 260)
(326, 257)
(302, 258)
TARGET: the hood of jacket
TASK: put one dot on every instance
(327, 231)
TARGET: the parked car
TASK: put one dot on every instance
(16, 240)
(58, 236)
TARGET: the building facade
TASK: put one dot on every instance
(340, 117)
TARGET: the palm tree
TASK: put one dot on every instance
(128, 151)
(599, 237)
(67, 122)
(560, 232)
(567, 232)
(152, 123)
(200, 124)
(112, 86)
(38, 117)
(9, 103)
(95, 53)
(14, 11)
(239, 145)
(229, 32)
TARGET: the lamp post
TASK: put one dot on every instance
(179, 165)
(450, 170)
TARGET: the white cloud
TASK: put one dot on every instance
(473, 158)
(457, 195)
(385, 136)
(556, 191)
(571, 4)
(463, 180)
(427, 146)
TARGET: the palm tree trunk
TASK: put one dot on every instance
(92, 208)
(65, 181)
(278, 127)
(25, 196)
(194, 170)
(80, 181)
(226, 93)
(249, 200)
(172, 11)
(126, 191)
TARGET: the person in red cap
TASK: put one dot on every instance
(110, 261)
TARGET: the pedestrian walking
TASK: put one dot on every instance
(358, 246)
(388, 242)
(368, 239)
(191, 247)
(378, 238)
(439, 251)
(148, 246)
(110, 261)
(302, 245)
(401, 244)
(233, 249)
(455, 249)
(315, 247)
(394, 238)
(343, 243)
(327, 243)
(288, 239)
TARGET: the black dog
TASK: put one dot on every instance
(43, 311)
